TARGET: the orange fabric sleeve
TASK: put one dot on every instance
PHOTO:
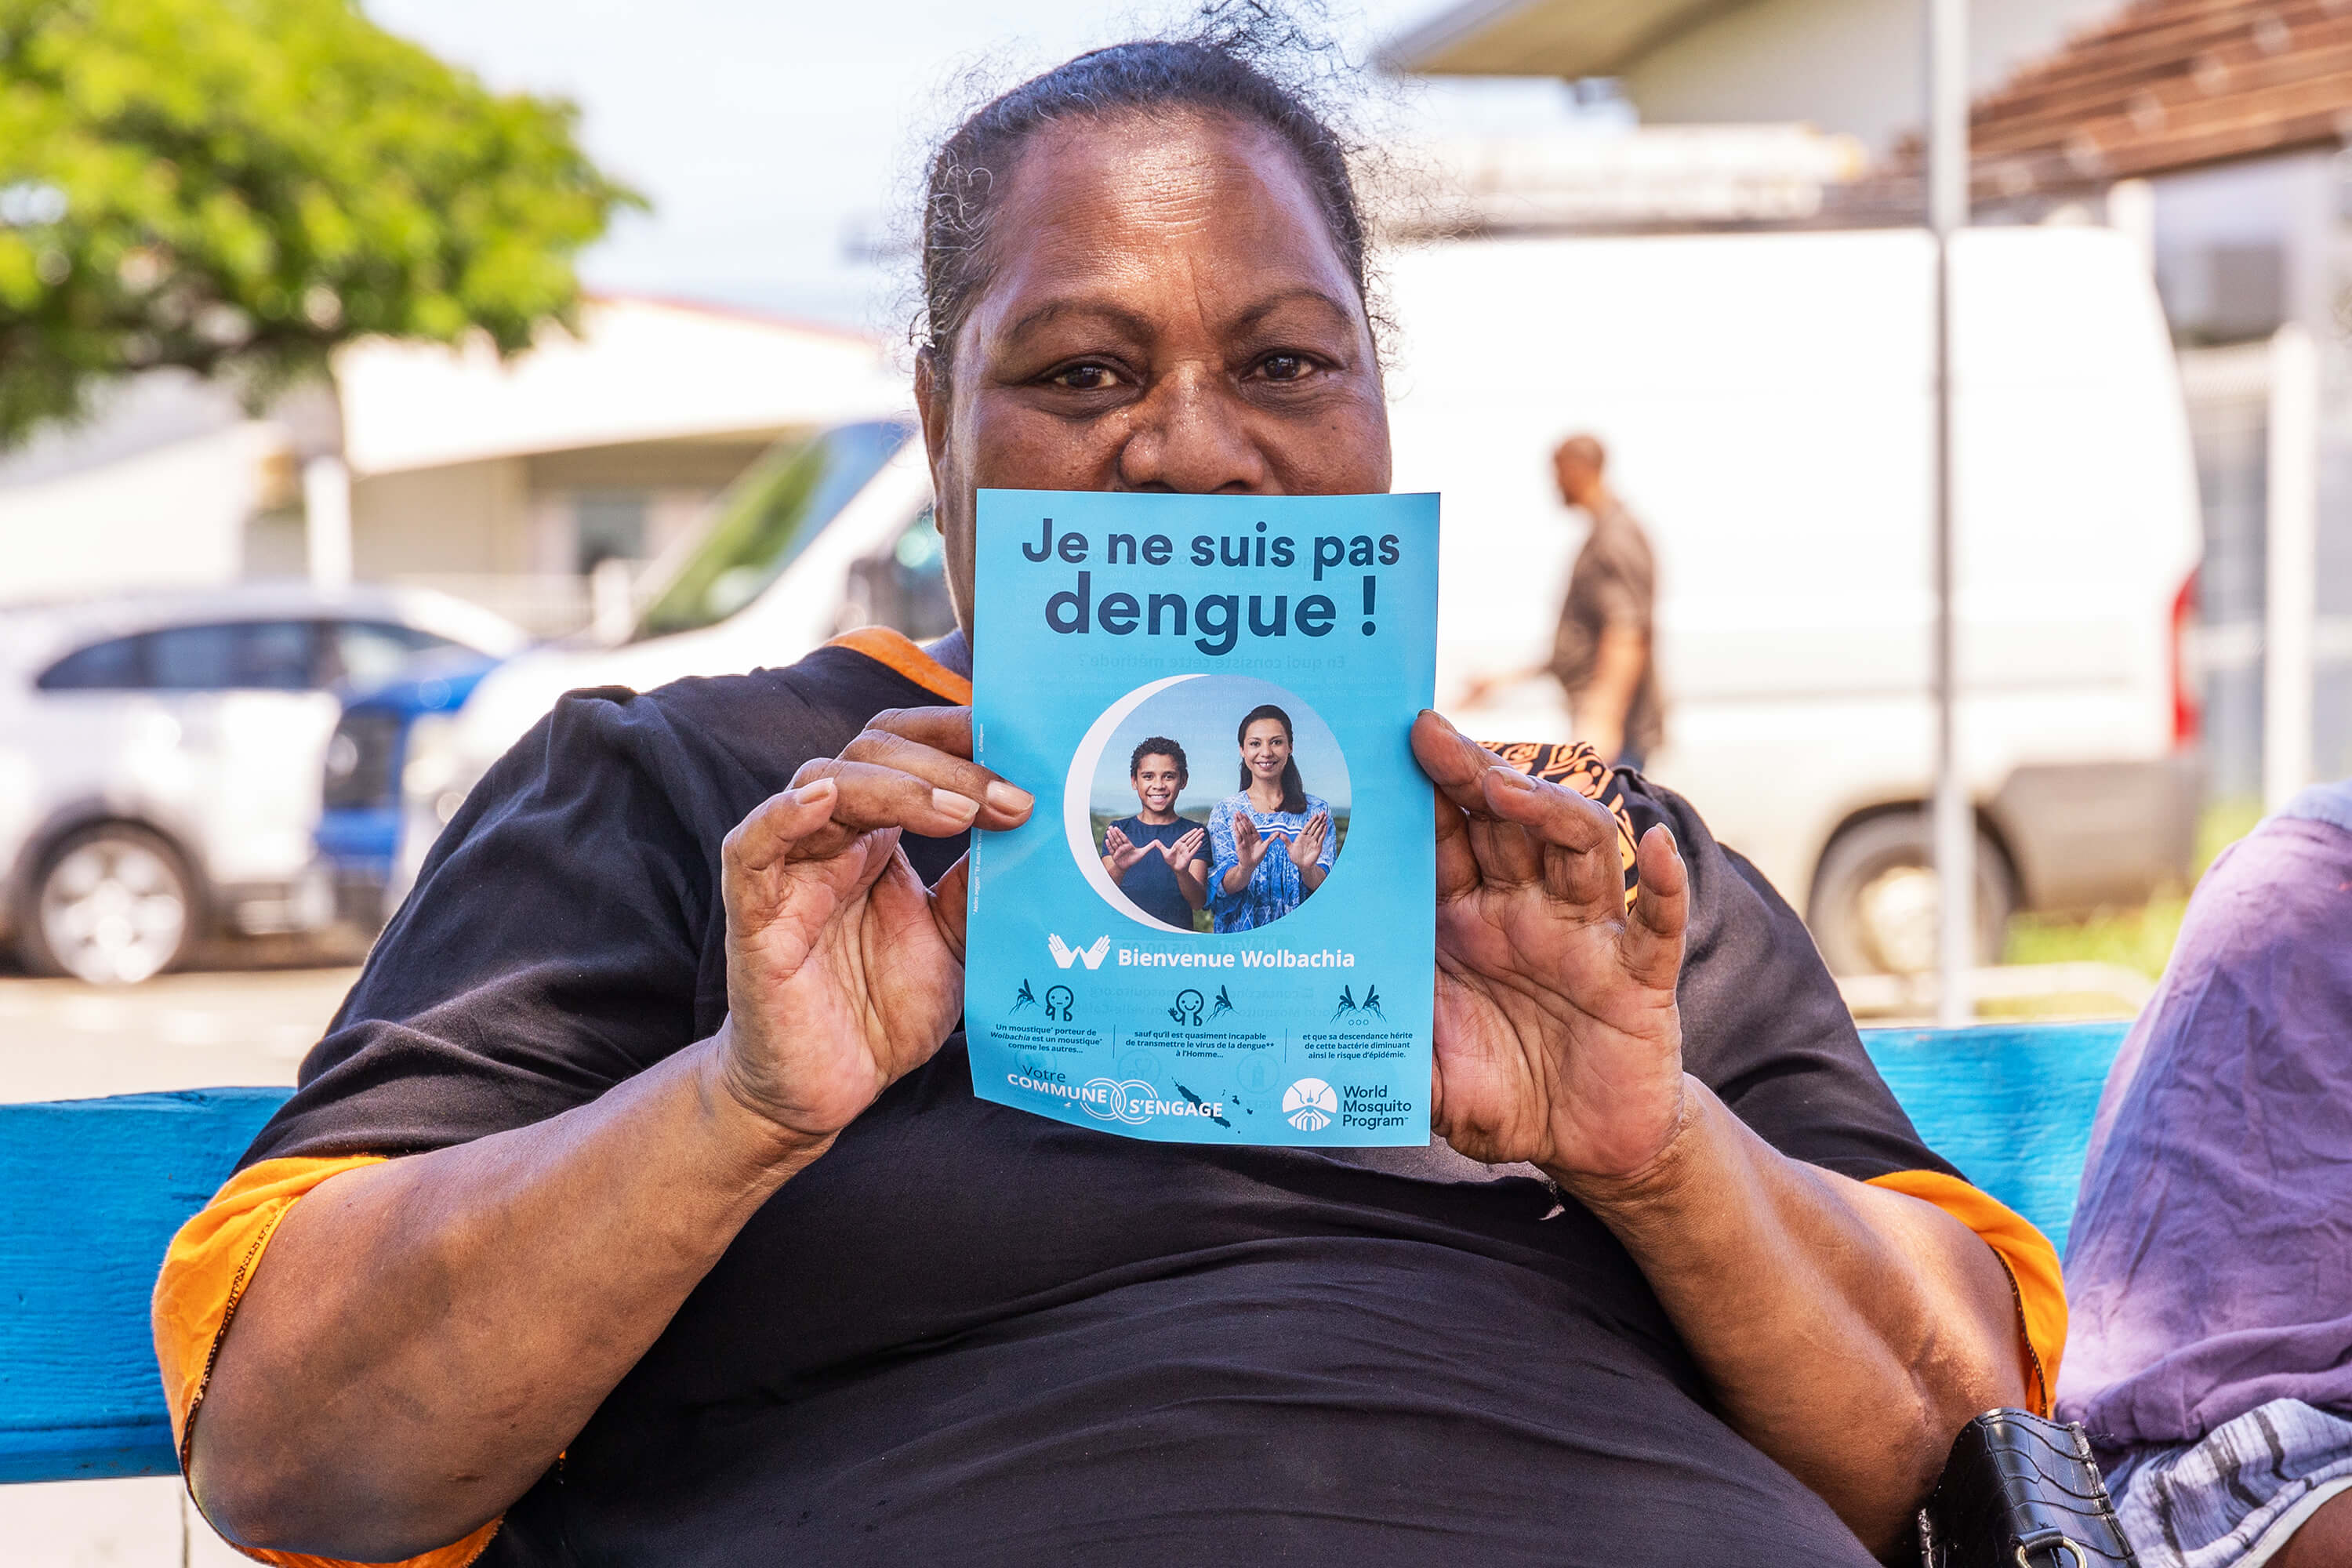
(2032, 1263)
(901, 654)
(205, 1274)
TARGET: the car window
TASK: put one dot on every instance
(766, 520)
(191, 658)
(115, 664)
(268, 655)
(369, 652)
(903, 588)
(274, 655)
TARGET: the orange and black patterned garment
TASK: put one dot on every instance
(974, 1336)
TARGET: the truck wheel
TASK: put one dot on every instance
(1874, 904)
(112, 907)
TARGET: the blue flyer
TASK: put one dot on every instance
(1219, 925)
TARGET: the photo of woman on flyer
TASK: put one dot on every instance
(1251, 883)
(1156, 856)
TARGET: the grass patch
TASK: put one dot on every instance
(2139, 937)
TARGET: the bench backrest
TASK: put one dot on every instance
(97, 1187)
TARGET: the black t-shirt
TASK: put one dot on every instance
(1150, 882)
(975, 1336)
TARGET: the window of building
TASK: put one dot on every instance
(608, 524)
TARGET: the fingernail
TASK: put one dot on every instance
(1010, 799)
(815, 791)
(962, 808)
(1511, 778)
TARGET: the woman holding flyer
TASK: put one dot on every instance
(639, 1208)
(1248, 885)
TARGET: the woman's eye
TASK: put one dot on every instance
(1085, 377)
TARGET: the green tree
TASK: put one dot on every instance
(237, 187)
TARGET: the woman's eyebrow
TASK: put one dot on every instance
(1302, 294)
(1127, 321)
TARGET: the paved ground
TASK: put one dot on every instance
(60, 1040)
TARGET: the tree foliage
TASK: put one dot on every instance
(239, 185)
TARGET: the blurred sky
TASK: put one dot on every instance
(1202, 716)
(774, 138)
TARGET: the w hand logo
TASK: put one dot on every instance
(1311, 1105)
(1064, 954)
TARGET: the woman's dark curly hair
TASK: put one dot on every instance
(1245, 60)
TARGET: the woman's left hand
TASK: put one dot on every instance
(1558, 1037)
(1305, 847)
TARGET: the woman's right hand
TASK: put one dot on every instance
(844, 972)
(1249, 844)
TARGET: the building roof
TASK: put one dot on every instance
(1546, 37)
(2166, 85)
(638, 370)
(1653, 177)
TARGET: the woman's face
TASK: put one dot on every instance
(1266, 750)
(1167, 311)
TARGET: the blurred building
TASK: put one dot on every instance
(2215, 131)
(1846, 65)
(505, 482)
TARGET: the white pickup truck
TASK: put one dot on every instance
(1766, 401)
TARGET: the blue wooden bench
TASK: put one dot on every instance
(95, 1188)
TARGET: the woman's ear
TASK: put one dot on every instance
(931, 408)
(935, 407)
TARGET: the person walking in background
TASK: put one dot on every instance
(1155, 855)
(1601, 652)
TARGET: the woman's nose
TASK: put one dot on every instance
(1190, 433)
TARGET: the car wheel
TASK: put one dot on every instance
(112, 907)
(1874, 904)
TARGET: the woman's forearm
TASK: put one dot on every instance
(1847, 1332)
(1237, 875)
(423, 1336)
(1310, 876)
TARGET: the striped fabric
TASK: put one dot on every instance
(2233, 1498)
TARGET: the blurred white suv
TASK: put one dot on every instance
(161, 756)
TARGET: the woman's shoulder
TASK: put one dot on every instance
(1316, 802)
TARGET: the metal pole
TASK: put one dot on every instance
(326, 520)
(1954, 819)
(2291, 564)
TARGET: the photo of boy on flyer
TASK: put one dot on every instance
(1157, 858)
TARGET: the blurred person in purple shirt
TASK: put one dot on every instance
(2210, 1272)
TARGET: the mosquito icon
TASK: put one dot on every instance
(1347, 1004)
(1372, 1003)
(1224, 1004)
(1027, 999)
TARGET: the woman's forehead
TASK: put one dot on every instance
(1133, 213)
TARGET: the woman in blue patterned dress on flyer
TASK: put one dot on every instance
(1250, 884)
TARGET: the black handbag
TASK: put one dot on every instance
(2022, 1492)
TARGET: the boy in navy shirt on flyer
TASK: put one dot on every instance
(1158, 858)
